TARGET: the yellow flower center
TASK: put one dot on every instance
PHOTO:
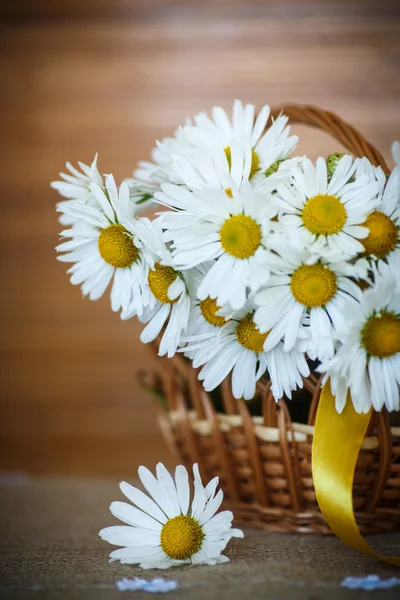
(181, 537)
(116, 247)
(383, 234)
(313, 285)
(228, 192)
(381, 335)
(324, 215)
(255, 161)
(159, 281)
(209, 308)
(249, 336)
(240, 236)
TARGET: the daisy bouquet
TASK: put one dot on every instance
(256, 261)
(258, 264)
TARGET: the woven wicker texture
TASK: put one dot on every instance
(264, 462)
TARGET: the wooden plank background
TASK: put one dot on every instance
(88, 76)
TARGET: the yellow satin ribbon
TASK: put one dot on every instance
(336, 445)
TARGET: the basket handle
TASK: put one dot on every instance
(344, 133)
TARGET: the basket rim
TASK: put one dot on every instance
(301, 431)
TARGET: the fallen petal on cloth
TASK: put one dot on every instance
(371, 582)
(155, 586)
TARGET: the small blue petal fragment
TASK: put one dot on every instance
(155, 586)
(371, 582)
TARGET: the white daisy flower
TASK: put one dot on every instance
(172, 305)
(367, 363)
(327, 214)
(302, 284)
(205, 323)
(383, 224)
(76, 186)
(194, 169)
(148, 176)
(232, 228)
(262, 149)
(170, 302)
(238, 346)
(164, 530)
(107, 245)
(206, 318)
(160, 170)
(208, 152)
(200, 170)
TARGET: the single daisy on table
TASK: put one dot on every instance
(165, 530)
(367, 363)
(262, 148)
(238, 346)
(76, 186)
(304, 285)
(383, 224)
(327, 214)
(106, 246)
(230, 227)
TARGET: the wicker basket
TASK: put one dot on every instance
(264, 462)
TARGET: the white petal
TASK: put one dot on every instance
(142, 501)
(211, 508)
(153, 487)
(133, 516)
(151, 331)
(120, 535)
(199, 499)
(168, 488)
(182, 488)
(211, 487)
(221, 520)
(103, 201)
(201, 558)
(260, 124)
(135, 555)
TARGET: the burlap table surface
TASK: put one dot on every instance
(50, 549)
